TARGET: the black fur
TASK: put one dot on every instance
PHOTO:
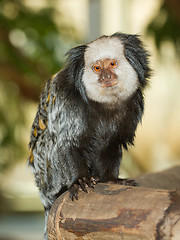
(83, 138)
(75, 68)
(136, 55)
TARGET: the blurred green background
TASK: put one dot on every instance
(34, 36)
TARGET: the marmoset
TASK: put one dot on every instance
(87, 113)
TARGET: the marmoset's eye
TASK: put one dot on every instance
(96, 68)
(112, 64)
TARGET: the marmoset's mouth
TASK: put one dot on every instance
(109, 83)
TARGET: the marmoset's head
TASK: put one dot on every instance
(111, 68)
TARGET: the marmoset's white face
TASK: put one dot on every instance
(108, 76)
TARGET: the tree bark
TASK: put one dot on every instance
(168, 179)
(112, 211)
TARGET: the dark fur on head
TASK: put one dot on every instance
(136, 55)
(75, 68)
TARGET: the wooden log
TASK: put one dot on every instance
(114, 212)
(168, 179)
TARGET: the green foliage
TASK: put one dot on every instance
(33, 41)
(11, 125)
(165, 27)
